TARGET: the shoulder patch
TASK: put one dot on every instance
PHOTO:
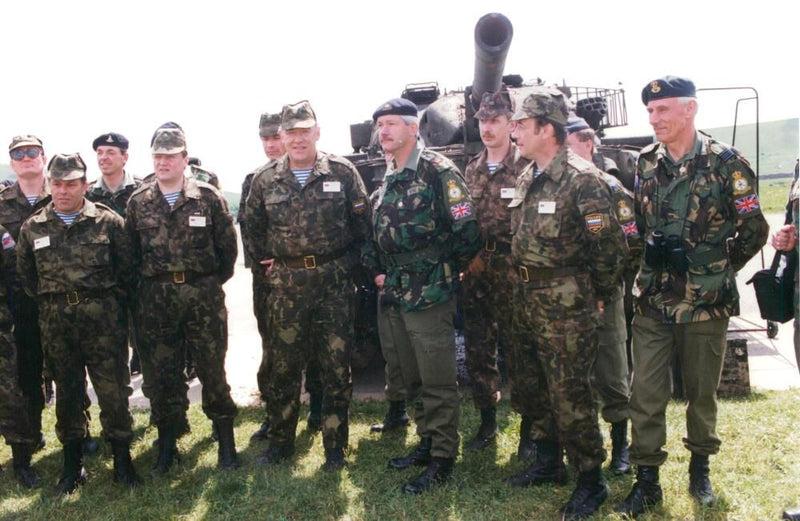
(595, 222)
(461, 210)
(8, 241)
(746, 204)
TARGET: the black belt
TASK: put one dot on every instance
(73, 298)
(493, 246)
(393, 260)
(310, 262)
(177, 277)
(528, 274)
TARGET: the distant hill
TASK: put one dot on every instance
(779, 144)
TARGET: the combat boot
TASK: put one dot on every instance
(620, 464)
(590, 492)
(73, 474)
(439, 470)
(226, 451)
(334, 459)
(314, 418)
(261, 433)
(547, 467)
(167, 450)
(699, 484)
(396, 418)
(25, 474)
(792, 514)
(487, 430)
(645, 494)
(527, 447)
(420, 456)
(275, 454)
(124, 471)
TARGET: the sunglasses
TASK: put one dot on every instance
(19, 153)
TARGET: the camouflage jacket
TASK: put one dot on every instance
(708, 202)
(424, 231)
(240, 216)
(492, 193)
(196, 235)
(563, 218)
(326, 216)
(8, 267)
(622, 199)
(93, 253)
(117, 201)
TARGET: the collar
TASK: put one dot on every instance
(127, 180)
(555, 170)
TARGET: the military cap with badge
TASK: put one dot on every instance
(396, 107)
(547, 103)
(110, 139)
(668, 87)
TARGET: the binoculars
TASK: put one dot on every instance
(662, 252)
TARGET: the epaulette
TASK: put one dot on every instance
(649, 148)
(439, 161)
(144, 186)
(723, 151)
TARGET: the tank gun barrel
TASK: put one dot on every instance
(493, 34)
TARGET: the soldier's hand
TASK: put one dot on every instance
(785, 238)
(601, 307)
(380, 279)
(267, 263)
(476, 266)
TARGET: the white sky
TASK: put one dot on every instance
(74, 70)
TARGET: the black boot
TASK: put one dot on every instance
(548, 467)
(214, 431)
(314, 418)
(334, 459)
(73, 474)
(25, 474)
(226, 452)
(487, 430)
(792, 514)
(167, 450)
(620, 464)
(645, 494)
(420, 456)
(124, 472)
(261, 433)
(527, 447)
(275, 454)
(699, 485)
(439, 470)
(590, 492)
(396, 418)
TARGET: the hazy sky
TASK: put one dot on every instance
(74, 70)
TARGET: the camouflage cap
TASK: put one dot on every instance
(544, 102)
(66, 167)
(494, 104)
(168, 141)
(299, 115)
(269, 124)
(28, 140)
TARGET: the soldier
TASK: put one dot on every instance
(424, 234)
(697, 208)
(610, 373)
(14, 422)
(184, 245)
(75, 259)
(307, 216)
(269, 131)
(568, 249)
(487, 284)
(195, 170)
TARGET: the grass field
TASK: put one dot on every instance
(756, 475)
(773, 194)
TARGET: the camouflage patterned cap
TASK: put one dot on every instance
(168, 141)
(494, 104)
(299, 115)
(269, 124)
(66, 167)
(544, 102)
(28, 140)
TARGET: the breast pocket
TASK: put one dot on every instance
(148, 230)
(277, 207)
(96, 251)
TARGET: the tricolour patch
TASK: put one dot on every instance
(460, 210)
(747, 204)
(8, 241)
(595, 222)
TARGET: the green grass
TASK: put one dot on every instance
(756, 476)
(773, 194)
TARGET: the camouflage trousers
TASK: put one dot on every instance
(14, 423)
(310, 317)
(30, 358)
(175, 319)
(610, 373)
(486, 300)
(555, 344)
(87, 334)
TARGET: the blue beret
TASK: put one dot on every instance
(668, 87)
(576, 124)
(110, 139)
(398, 107)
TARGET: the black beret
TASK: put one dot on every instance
(668, 87)
(110, 139)
(397, 107)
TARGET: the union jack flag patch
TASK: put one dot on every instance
(460, 210)
(8, 241)
(630, 228)
(747, 204)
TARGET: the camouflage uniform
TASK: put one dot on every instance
(313, 232)
(486, 297)
(183, 255)
(568, 248)
(794, 204)
(14, 209)
(80, 275)
(118, 201)
(425, 232)
(705, 199)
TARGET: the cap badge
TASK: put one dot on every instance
(655, 88)
(110, 139)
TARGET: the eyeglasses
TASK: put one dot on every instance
(19, 153)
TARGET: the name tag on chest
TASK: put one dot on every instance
(546, 207)
(507, 193)
(197, 221)
(41, 242)
(331, 186)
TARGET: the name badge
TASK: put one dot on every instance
(507, 193)
(547, 207)
(41, 242)
(197, 221)
(331, 186)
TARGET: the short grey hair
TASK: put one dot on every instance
(408, 120)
